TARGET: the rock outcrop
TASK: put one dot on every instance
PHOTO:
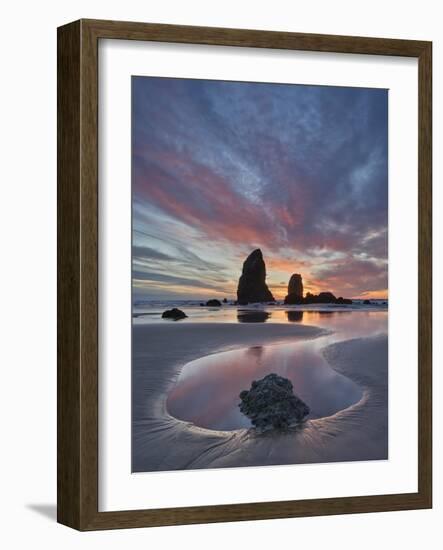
(252, 285)
(342, 300)
(213, 303)
(321, 298)
(325, 298)
(175, 314)
(272, 404)
(295, 294)
(295, 290)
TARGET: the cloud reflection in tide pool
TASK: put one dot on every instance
(207, 390)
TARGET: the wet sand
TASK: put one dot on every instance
(162, 443)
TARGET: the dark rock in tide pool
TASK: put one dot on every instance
(225, 301)
(174, 314)
(213, 303)
(252, 285)
(272, 404)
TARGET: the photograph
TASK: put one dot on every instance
(259, 274)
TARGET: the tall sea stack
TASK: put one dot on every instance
(295, 290)
(252, 285)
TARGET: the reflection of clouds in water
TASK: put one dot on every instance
(207, 392)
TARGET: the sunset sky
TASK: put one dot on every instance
(221, 168)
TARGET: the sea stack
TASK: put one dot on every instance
(295, 290)
(252, 285)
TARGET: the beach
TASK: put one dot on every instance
(161, 442)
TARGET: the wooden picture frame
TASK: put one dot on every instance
(78, 273)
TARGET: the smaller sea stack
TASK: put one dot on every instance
(295, 290)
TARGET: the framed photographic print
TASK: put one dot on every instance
(244, 274)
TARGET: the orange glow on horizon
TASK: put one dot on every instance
(374, 294)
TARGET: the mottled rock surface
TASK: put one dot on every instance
(272, 404)
(252, 285)
(175, 314)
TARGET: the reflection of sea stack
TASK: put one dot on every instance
(252, 285)
(295, 290)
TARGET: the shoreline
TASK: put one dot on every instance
(161, 442)
(229, 312)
